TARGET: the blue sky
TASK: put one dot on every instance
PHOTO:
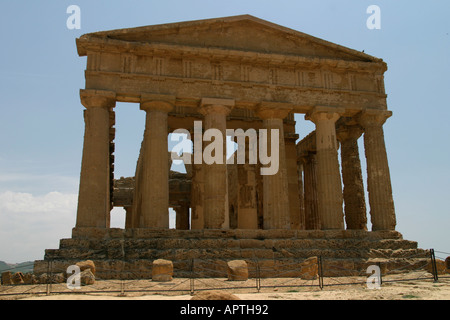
(41, 123)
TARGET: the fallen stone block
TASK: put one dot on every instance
(309, 269)
(87, 277)
(7, 278)
(17, 278)
(440, 266)
(237, 270)
(162, 270)
(84, 265)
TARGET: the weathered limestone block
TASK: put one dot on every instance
(440, 266)
(339, 267)
(17, 278)
(309, 269)
(84, 265)
(29, 278)
(7, 278)
(87, 277)
(214, 295)
(162, 270)
(51, 278)
(251, 243)
(58, 278)
(237, 270)
(43, 278)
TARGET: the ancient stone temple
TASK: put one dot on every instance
(245, 74)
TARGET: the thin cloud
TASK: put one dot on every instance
(30, 224)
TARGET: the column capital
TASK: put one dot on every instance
(348, 132)
(373, 117)
(157, 102)
(97, 98)
(273, 110)
(306, 156)
(216, 105)
(320, 113)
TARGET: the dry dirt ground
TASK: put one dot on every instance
(409, 286)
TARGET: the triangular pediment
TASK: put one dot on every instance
(244, 33)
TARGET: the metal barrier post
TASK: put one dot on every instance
(433, 265)
(381, 278)
(49, 277)
(122, 289)
(320, 271)
(122, 276)
(192, 278)
(258, 277)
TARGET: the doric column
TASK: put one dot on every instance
(137, 196)
(276, 213)
(233, 195)
(94, 203)
(296, 219)
(112, 146)
(301, 194)
(182, 216)
(247, 184)
(197, 182)
(153, 185)
(312, 218)
(354, 199)
(215, 209)
(329, 186)
(382, 210)
(128, 217)
(197, 195)
(259, 196)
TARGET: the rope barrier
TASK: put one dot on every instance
(130, 280)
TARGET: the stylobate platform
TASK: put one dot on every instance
(129, 254)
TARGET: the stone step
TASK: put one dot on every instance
(161, 244)
(231, 253)
(345, 252)
(115, 233)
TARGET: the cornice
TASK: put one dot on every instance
(91, 44)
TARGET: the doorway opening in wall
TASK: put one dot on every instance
(130, 125)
